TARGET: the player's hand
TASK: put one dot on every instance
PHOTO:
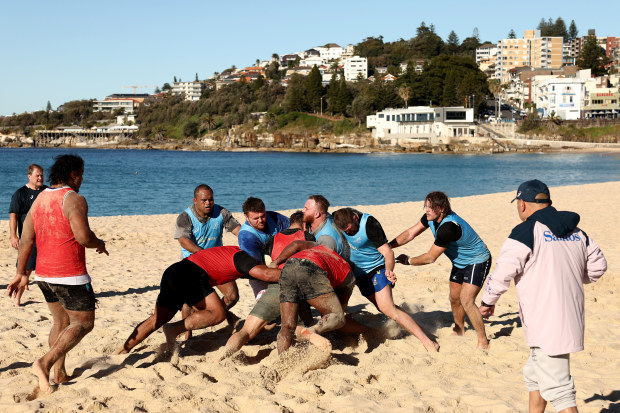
(487, 311)
(101, 248)
(390, 276)
(15, 242)
(403, 259)
(19, 284)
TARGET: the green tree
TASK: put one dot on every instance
(593, 57)
(314, 89)
(196, 77)
(259, 82)
(344, 97)
(469, 46)
(404, 92)
(427, 43)
(512, 34)
(190, 128)
(166, 87)
(48, 108)
(175, 79)
(572, 30)
(157, 90)
(452, 43)
(449, 95)
(295, 101)
(332, 93)
(559, 29)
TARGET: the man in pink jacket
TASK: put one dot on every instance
(550, 259)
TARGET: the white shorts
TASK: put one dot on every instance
(551, 376)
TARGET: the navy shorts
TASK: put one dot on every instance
(71, 297)
(472, 274)
(183, 283)
(373, 282)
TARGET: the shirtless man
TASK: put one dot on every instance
(191, 282)
(373, 267)
(471, 259)
(58, 222)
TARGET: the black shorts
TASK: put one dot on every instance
(183, 283)
(71, 297)
(303, 280)
(472, 274)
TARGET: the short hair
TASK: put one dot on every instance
(439, 200)
(296, 218)
(60, 172)
(34, 166)
(321, 202)
(343, 217)
(253, 205)
(202, 187)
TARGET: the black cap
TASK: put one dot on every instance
(530, 189)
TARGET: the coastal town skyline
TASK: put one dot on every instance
(69, 51)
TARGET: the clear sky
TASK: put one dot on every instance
(64, 50)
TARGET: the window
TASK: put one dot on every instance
(422, 117)
(381, 115)
(453, 115)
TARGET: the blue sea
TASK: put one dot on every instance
(147, 182)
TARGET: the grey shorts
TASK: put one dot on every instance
(71, 297)
(303, 280)
(268, 305)
(550, 375)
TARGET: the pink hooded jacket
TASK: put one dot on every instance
(550, 259)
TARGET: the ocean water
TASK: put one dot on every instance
(139, 182)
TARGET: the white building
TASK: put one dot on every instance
(110, 105)
(486, 52)
(191, 90)
(355, 66)
(311, 61)
(330, 51)
(422, 123)
(559, 95)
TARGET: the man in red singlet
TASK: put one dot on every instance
(191, 282)
(58, 222)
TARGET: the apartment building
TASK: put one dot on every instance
(330, 51)
(191, 90)
(355, 66)
(532, 50)
(127, 102)
(559, 95)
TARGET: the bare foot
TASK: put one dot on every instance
(61, 377)
(323, 344)
(171, 337)
(42, 375)
(457, 331)
(121, 351)
(484, 345)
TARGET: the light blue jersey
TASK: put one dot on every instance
(364, 255)
(467, 250)
(208, 234)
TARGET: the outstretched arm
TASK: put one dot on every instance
(407, 235)
(426, 258)
(388, 255)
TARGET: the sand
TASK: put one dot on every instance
(390, 373)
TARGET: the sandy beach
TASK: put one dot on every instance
(391, 373)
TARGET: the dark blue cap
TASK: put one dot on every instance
(528, 190)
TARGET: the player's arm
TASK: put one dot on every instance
(264, 273)
(235, 231)
(183, 231)
(426, 258)
(75, 209)
(291, 249)
(13, 230)
(407, 235)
